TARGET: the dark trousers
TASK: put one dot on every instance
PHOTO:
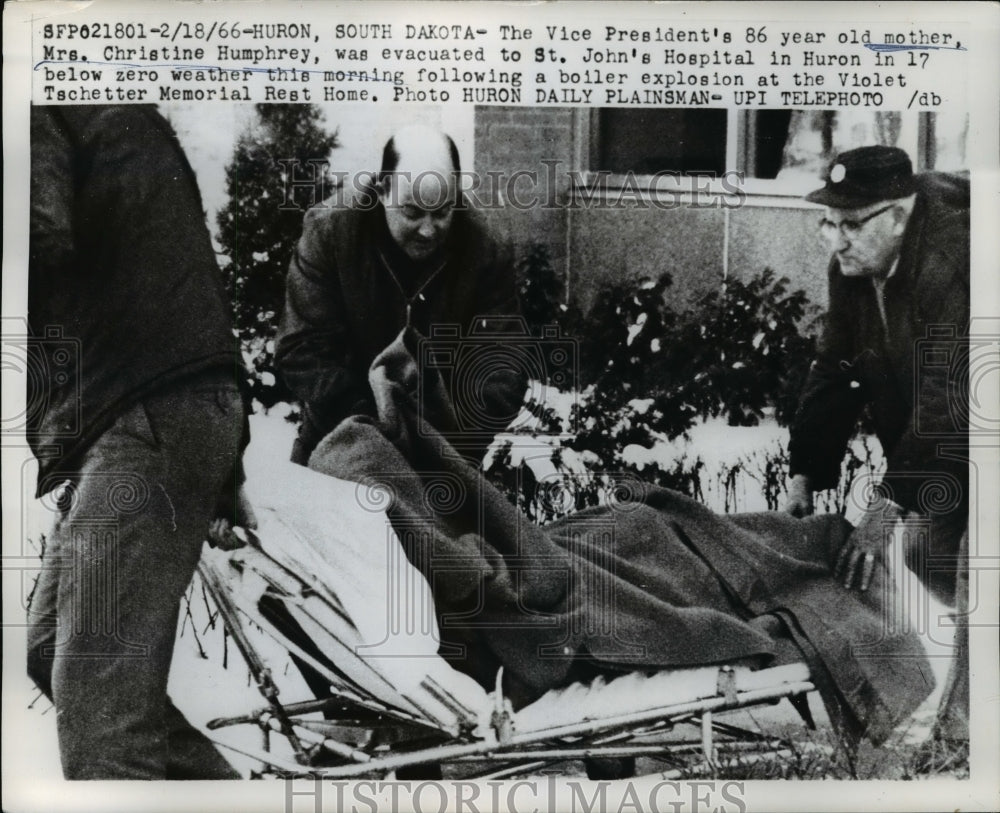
(103, 617)
(939, 556)
(952, 723)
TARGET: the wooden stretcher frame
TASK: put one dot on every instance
(406, 738)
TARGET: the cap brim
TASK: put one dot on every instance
(853, 198)
(835, 200)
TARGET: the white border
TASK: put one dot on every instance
(22, 788)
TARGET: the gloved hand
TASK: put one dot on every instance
(800, 497)
(865, 548)
(222, 531)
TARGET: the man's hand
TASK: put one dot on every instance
(865, 548)
(222, 530)
(800, 497)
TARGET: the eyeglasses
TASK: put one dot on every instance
(848, 228)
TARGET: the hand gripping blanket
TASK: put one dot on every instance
(652, 580)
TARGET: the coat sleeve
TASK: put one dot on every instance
(313, 352)
(832, 397)
(52, 248)
(500, 313)
(927, 468)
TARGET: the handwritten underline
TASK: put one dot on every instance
(871, 46)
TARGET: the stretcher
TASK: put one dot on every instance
(333, 588)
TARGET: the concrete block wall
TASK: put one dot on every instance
(697, 246)
(513, 140)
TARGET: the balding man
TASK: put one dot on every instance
(409, 253)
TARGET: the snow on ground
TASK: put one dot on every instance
(204, 688)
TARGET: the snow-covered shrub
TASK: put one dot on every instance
(278, 170)
(649, 377)
(745, 349)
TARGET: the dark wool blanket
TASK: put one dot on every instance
(653, 580)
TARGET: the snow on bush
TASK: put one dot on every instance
(697, 400)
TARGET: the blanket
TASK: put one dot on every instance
(651, 580)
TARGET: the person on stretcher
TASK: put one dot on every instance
(653, 581)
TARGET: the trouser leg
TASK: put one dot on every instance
(190, 754)
(125, 551)
(952, 721)
(938, 553)
(933, 553)
(42, 620)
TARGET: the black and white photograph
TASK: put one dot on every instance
(486, 406)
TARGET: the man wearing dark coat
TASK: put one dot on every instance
(409, 253)
(893, 343)
(137, 423)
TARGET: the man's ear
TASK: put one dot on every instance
(383, 186)
(900, 215)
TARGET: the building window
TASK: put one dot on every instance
(648, 141)
(794, 145)
(781, 153)
(944, 140)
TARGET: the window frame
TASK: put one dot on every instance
(767, 192)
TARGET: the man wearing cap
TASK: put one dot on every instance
(900, 267)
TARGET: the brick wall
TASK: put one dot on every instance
(511, 140)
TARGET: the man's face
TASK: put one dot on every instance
(866, 240)
(418, 211)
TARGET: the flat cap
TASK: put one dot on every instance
(864, 176)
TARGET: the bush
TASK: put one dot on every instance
(259, 227)
(740, 351)
(647, 374)
(542, 291)
(748, 353)
(737, 352)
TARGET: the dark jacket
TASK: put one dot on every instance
(911, 376)
(124, 294)
(346, 299)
